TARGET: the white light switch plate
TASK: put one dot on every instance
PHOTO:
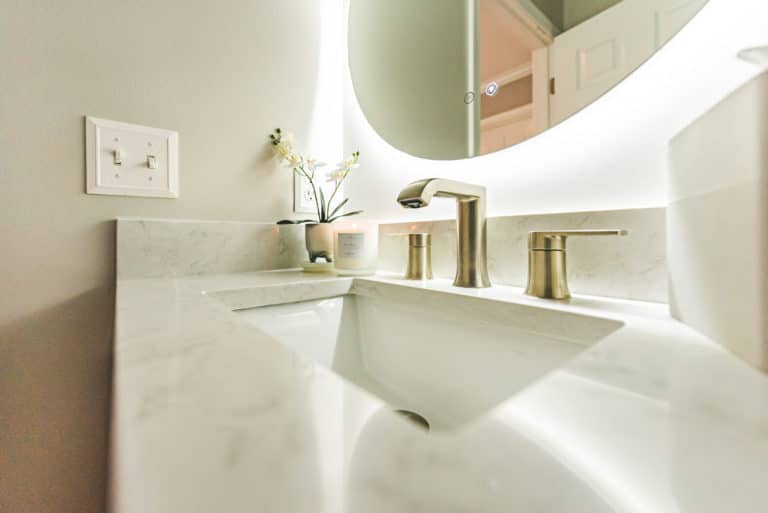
(130, 160)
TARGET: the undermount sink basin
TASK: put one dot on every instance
(446, 357)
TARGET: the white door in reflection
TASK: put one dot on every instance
(595, 55)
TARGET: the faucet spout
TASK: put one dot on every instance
(418, 194)
(471, 225)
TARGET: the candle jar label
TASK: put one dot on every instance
(351, 245)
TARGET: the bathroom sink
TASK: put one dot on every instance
(444, 357)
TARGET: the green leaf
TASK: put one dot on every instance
(323, 211)
(291, 221)
(338, 207)
(345, 215)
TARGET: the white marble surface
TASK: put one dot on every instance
(151, 248)
(632, 267)
(209, 414)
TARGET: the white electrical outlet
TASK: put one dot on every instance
(303, 197)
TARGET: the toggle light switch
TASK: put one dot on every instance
(131, 160)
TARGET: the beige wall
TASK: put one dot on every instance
(222, 74)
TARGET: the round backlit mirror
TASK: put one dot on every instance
(450, 79)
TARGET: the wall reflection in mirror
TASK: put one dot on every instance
(450, 79)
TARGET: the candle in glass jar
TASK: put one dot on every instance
(356, 247)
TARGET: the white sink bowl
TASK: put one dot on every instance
(449, 358)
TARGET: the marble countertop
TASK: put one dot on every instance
(211, 415)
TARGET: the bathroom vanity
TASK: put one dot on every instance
(591, 405)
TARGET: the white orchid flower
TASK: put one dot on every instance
(292, 160)
(337, 175)
(287, 140)
(283, 147)
(282, 144)
(313, 164)
(348, 164)
(282, 150)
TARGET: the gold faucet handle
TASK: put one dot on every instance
(555, 240)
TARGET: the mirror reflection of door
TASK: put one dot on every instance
(513, 41)
(594, 55)
(448, 79)
(551, 58)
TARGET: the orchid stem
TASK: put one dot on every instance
(338, 186)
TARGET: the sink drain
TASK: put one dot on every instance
(414, 418)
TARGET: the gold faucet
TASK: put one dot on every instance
(471, 266)
(547, 276)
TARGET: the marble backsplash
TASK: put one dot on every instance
(632, 267)
(153, 248)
